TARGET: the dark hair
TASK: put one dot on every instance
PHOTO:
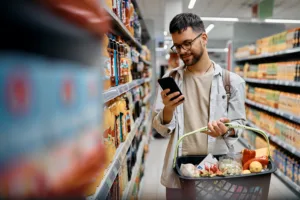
(184, 20)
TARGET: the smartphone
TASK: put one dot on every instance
(169, 83)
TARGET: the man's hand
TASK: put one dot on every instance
(217, 128)
(170, 105)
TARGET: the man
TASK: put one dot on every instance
(205, 101)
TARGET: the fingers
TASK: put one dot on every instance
(164, 92)
(217, 128)
(222, 127)
(224, 120)
(212, 130)
(178, 101)
(174, 94)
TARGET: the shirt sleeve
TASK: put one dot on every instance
(158, 125)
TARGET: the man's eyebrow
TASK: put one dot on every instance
(189, 40)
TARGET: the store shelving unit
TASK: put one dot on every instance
(140, 153)
(145, 61)
(278, 141)
(112, 171)
(274, 111)
(278, 172)
(135, 170)
(287, 180)
(121, 89)
(147, 98)
(120, 29)
(273, 82)
(270, 55)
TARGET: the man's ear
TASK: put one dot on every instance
(204, 38)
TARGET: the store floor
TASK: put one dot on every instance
(151, 189)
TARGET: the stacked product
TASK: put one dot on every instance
(288, 164)
(122, 63)
(286, 71)
(51, 99)
(284, 101)
(278, 42)
(125, 11)
(283, 129)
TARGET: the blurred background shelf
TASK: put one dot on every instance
(111, 173)
(273, 82)
(275, 111)
(278, 141)
(271, 55)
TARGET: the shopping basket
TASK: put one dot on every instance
(248, 186)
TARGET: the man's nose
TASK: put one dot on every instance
(182, 51)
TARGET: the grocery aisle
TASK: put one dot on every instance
(152, 189)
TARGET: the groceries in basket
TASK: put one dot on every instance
(240, 163)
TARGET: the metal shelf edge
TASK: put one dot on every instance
(288, 181)
(135, 169)
(122, 27)
(101, 192)
(274, 110)
(120, 89)
(280, 53)
(275, 82)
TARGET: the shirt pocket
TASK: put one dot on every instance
(221, 106)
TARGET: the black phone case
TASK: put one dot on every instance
(169, 83)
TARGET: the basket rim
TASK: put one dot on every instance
(179, 174)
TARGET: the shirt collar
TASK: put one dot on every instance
(180, 70)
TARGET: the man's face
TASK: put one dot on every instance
(193, 55)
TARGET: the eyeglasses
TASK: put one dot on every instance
(186, 45)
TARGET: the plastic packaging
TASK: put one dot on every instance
(231, 164)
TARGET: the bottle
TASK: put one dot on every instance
(107, 63)
(114, 56)
(114, 6)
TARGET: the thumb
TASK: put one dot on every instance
(225, 120)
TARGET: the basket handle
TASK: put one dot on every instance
(228, 125)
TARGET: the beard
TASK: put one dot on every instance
(191, 58)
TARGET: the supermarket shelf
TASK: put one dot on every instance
(135, 170)
(118, 90)
(120, 29)
(288, 181)
(273, 82)
(274, 110)
(147, 79)
(270, 55)
(145, 61)
(145, 33)
(111, 173)
(278, 141)
(147, 98)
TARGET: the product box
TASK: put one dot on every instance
(50, 113)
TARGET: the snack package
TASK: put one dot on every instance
(189, 170)
(230, 165)
(208, 161)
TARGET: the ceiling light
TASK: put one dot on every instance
(191, 4)
(220, 19)
(209, 28)
(166, 46)
(165, 33)
(226, 49)
(282, 21)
